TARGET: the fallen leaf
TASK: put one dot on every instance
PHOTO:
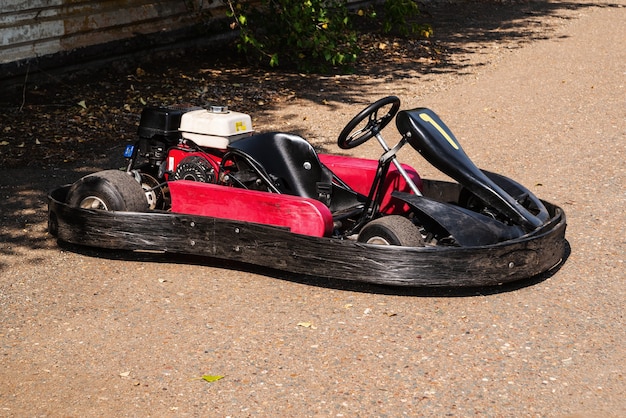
(211, 378)
(4, 143)
(82, 104)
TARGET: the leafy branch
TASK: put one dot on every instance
(312, 35)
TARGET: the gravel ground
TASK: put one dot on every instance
(95, 333)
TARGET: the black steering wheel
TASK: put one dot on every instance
(348, 139)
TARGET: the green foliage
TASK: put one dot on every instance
(397, 16)
(313, 35)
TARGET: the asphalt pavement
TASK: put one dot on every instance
(102, 333)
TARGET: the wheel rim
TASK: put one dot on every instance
(154, 194)
(151, 196)
(93, 202)
(377, 241)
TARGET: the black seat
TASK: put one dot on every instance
(289, 160)
(292, 166)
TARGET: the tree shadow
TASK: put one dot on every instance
(57, 128)
(50, 118)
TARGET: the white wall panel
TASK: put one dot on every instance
(32, 28)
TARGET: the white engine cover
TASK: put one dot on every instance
(216, 127)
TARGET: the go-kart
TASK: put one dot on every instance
(201, 182)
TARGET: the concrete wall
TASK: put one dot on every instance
(63, 35)
(35, 28)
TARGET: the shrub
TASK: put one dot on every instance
(397, 18)
(312, 35)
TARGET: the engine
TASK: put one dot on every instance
(158, 131)
(215, 127)
(185, 164)
(191, 129)
(161, 128)
(182, 143)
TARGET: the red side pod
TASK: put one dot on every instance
(300, 215)
(359, 174)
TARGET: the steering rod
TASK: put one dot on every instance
(395, 161)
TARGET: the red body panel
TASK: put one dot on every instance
(301, 215)
(359, 173)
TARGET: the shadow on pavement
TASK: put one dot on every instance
(56, 131)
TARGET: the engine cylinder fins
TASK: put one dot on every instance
(195, 168)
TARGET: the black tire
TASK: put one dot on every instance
(391, 230)
(110, 190)
(469, 200)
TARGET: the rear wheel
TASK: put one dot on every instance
(108, 190)
(156, 193)
(391, 230)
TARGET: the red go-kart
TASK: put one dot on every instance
(199, 181)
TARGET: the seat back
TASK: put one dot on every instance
(290, 161)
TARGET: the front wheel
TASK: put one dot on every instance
(391, 230)
(110, 190)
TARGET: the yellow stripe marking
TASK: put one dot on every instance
(427, 118)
